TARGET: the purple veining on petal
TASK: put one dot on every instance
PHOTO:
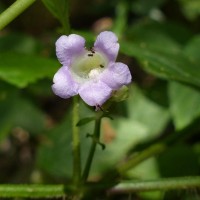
(69, 46)
(64, 86)
(95, 93)
(107, 43)
(116, 75)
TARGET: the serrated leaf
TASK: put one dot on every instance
(85, 120)
(20, 69)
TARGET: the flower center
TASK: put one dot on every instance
(89, 65)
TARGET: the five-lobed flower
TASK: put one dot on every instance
(91, 73)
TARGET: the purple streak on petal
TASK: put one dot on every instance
(116, 75)
(69, 46)
(106, 42)
(95, 93)
(64, 86)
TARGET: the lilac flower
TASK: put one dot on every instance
(93, 73)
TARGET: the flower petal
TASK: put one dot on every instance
(116, 75)
(95, 93)
(69, 46)
(106, 42)
(64, 86)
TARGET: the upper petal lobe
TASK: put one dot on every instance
(69, 46)
(107, 43)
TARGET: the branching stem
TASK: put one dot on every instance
(95, 140)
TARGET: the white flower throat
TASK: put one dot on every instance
(89, 65)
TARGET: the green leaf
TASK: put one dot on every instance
(192, 49)
(161, 53)
(20, 43)
(85, 120)
(168, 63)
(54, 154)
(184, 104)
(28, 116)
(18, 112)
(152, 31)
(20, 69)
(144, 7)
(59, 8)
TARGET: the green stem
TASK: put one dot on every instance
(143, 155)
(76, 142)
(55, 191)
(95, 140)
(13, 11)
(159, 184)
(121, 18)
(33, 191)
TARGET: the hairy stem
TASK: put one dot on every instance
(13, 11)
(37, 191)
(159, 184)
(76, 142)
(95, 140)
(55, 191)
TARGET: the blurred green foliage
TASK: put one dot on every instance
(159, 41)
